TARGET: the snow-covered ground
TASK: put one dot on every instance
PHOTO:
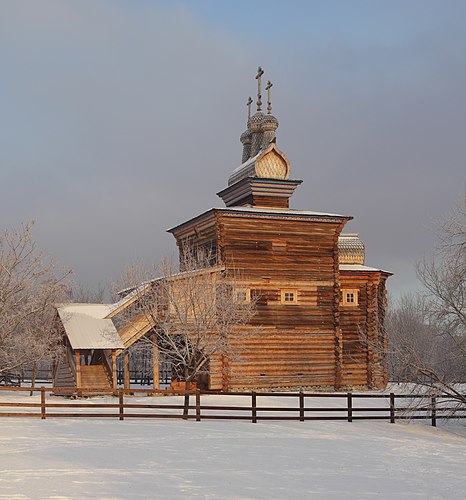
(107, 458)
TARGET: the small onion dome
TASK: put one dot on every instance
(269, 122)
(246, 137)
(350, 249)
(255, 122)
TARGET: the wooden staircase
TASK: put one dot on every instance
(95, 377)
(65, 375)
(135, 329)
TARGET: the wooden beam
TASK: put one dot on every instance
(78, 369)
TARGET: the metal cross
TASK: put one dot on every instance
(269, 102)
(248, 104)
(260, 72)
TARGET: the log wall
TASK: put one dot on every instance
(363, 334)
(286, 344)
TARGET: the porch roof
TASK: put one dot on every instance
(86, 327)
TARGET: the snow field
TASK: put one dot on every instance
(140, 458)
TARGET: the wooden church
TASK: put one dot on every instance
(320, 310)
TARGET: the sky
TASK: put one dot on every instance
(121, 119)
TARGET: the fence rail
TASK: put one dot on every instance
(255, 406)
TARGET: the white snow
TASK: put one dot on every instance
(141, 458)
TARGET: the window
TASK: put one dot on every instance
(350, 297)
(243, 295)
(289, 297)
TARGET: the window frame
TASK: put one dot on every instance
(246, 291)
(344, 298)
(283, 296)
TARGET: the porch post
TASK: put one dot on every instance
(114, 369)
(78, 369)
(126, 371)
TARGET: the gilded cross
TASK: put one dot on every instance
(260, 72)
(269, 102)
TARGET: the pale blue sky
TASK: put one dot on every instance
(121, 118)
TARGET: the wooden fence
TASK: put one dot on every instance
(255, 406)
(44, 376)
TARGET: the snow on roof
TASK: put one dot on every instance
(279, 211)
(98, 311)
(86, 327)
(360, 267)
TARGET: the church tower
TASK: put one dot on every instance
(262, 179)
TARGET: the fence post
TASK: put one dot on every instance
(42, 403)
(301, 406)
(120, 403)
(198, 405)
(254, 407)
(349, 398)
(433, 412)
(392, 407)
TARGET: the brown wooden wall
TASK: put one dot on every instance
(288, 345)
(264, 201)
(363, 333)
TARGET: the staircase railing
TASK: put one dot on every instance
(70, 359)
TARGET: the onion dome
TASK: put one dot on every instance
(351, 249)
(246, 137)
(255, 122)
(269, 126)
(246, 140)
(269, 122)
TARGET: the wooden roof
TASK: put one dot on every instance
(87, 328)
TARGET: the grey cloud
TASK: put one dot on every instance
(120, 121)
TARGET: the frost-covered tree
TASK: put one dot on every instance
(195, 312)
(427, 333)
(29, 289)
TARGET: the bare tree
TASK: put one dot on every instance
(427, 332)
(444, 278)
(194, 313)
(133, 277)
(417, 346)
(87, 295)
(29, 289)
